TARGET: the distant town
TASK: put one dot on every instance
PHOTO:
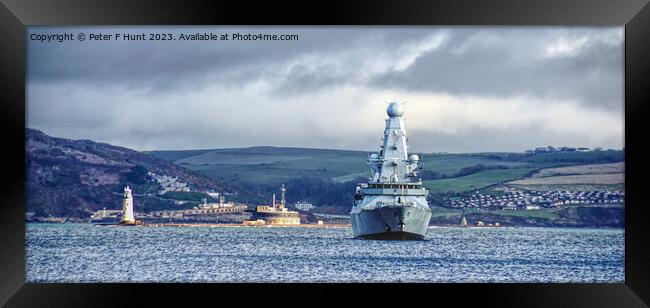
(517, 199)
(552, 149)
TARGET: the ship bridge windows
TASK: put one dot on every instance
(393, 186)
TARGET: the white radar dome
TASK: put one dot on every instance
(395, 109)
(374, 156)
(415, 157)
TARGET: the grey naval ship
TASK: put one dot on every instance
(392, 205)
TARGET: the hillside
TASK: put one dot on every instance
(578, 216)
(77, 177)
(602, 174)
(269, 165)
(327, 177)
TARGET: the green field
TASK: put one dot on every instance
(270, 175)
(263, 164)
(449, 164)
(618, 167)
(579, 187)
(606, 156)
(267, 166)
(270, 166)
(174, 155)
(475, 181)
(607, 178)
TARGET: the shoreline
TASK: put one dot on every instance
(224, 225)
(527, 226)
(234, 225)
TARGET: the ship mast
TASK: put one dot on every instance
(393, 164)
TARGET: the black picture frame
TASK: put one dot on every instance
(15, 15)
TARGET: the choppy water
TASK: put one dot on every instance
(88, 253)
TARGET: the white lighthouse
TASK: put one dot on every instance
(127, 207)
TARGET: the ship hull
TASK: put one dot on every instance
(391, 223)
(393, 236)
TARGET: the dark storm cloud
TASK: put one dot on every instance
(327, 89)
(512, 64)
(484, 66)
(164, 65)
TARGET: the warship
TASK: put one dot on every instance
(392, 205)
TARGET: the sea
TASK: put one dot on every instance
(70, 252)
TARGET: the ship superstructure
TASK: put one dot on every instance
(392, 205)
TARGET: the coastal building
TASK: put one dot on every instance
(514, 198)
(276, 214)
(210, 210)
(105, 216)
(169, 183)
(221, 204)
(303, 206)
(510, 207)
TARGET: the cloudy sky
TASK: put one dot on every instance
(467, 89)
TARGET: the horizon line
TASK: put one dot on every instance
(311, 148)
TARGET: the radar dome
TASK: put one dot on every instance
(374, 156)
(415, 157)
(395, 109)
